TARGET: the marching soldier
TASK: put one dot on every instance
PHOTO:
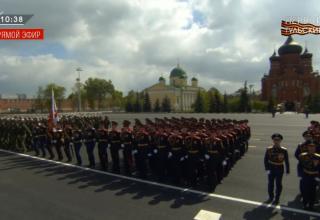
(176, 156)
(67, 142)
(115, 145)
(57, 142)
(90, 142)
(275, 158)
(102, 138)
(194, 154)
(141, 150)
(77, 140)
(162, 151)
(214, 158)
(310, 165)
(127, 142)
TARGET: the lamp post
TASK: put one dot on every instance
(79, 88)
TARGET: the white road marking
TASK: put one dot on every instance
(212, 195)
(206, 215)
(252, 146)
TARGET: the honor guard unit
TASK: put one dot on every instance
(184, 151)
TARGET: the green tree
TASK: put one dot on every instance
(199, 104)
(225, 105)
(137, 103)
(129, 101)
(40, 101)
(146, 102)
(157, 107)
(244, 104)
(315, 104)
(97, 90)
(59, 93)
(271, 105)
(166, 104)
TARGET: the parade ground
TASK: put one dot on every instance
(37, 188)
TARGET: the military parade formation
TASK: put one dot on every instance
(183, 151)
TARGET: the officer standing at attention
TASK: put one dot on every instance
(274, 160)
(310, 164)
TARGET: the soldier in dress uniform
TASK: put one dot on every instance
(127, 144)
(194, 154)
(162, 151)
(57, 142)
(103, 141)
(115, 145)
(90, 142)
(176, 157)
(214, 158)
(310, 167)
(141, 150)
(67, 134)
(275, 158)
(77, 140)
(302, 148)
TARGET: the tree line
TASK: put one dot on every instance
(100, 94)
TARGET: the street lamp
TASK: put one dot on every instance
(79, 88)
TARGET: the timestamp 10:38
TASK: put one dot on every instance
(7, 19)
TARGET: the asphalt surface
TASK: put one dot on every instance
(38, 189)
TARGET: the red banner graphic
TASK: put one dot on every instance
(294, 27)
(22, 34)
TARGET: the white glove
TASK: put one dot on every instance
(186, 157)
(169, 155)
(317, 179)
(268, 172)
(149, 154)
(155, 151)
(181, 159)
(134, 152)
(224, 163)
(122, 145)
(207, 156)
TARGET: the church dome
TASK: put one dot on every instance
(274, 57)
(306, 54)
(178, 72)
(289, 47)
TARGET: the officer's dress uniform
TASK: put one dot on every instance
(274, 160)
(310, 164)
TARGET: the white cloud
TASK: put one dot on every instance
(133, 42)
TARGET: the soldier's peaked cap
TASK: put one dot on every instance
(126, 123)
(306, 133)
(276, 135)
